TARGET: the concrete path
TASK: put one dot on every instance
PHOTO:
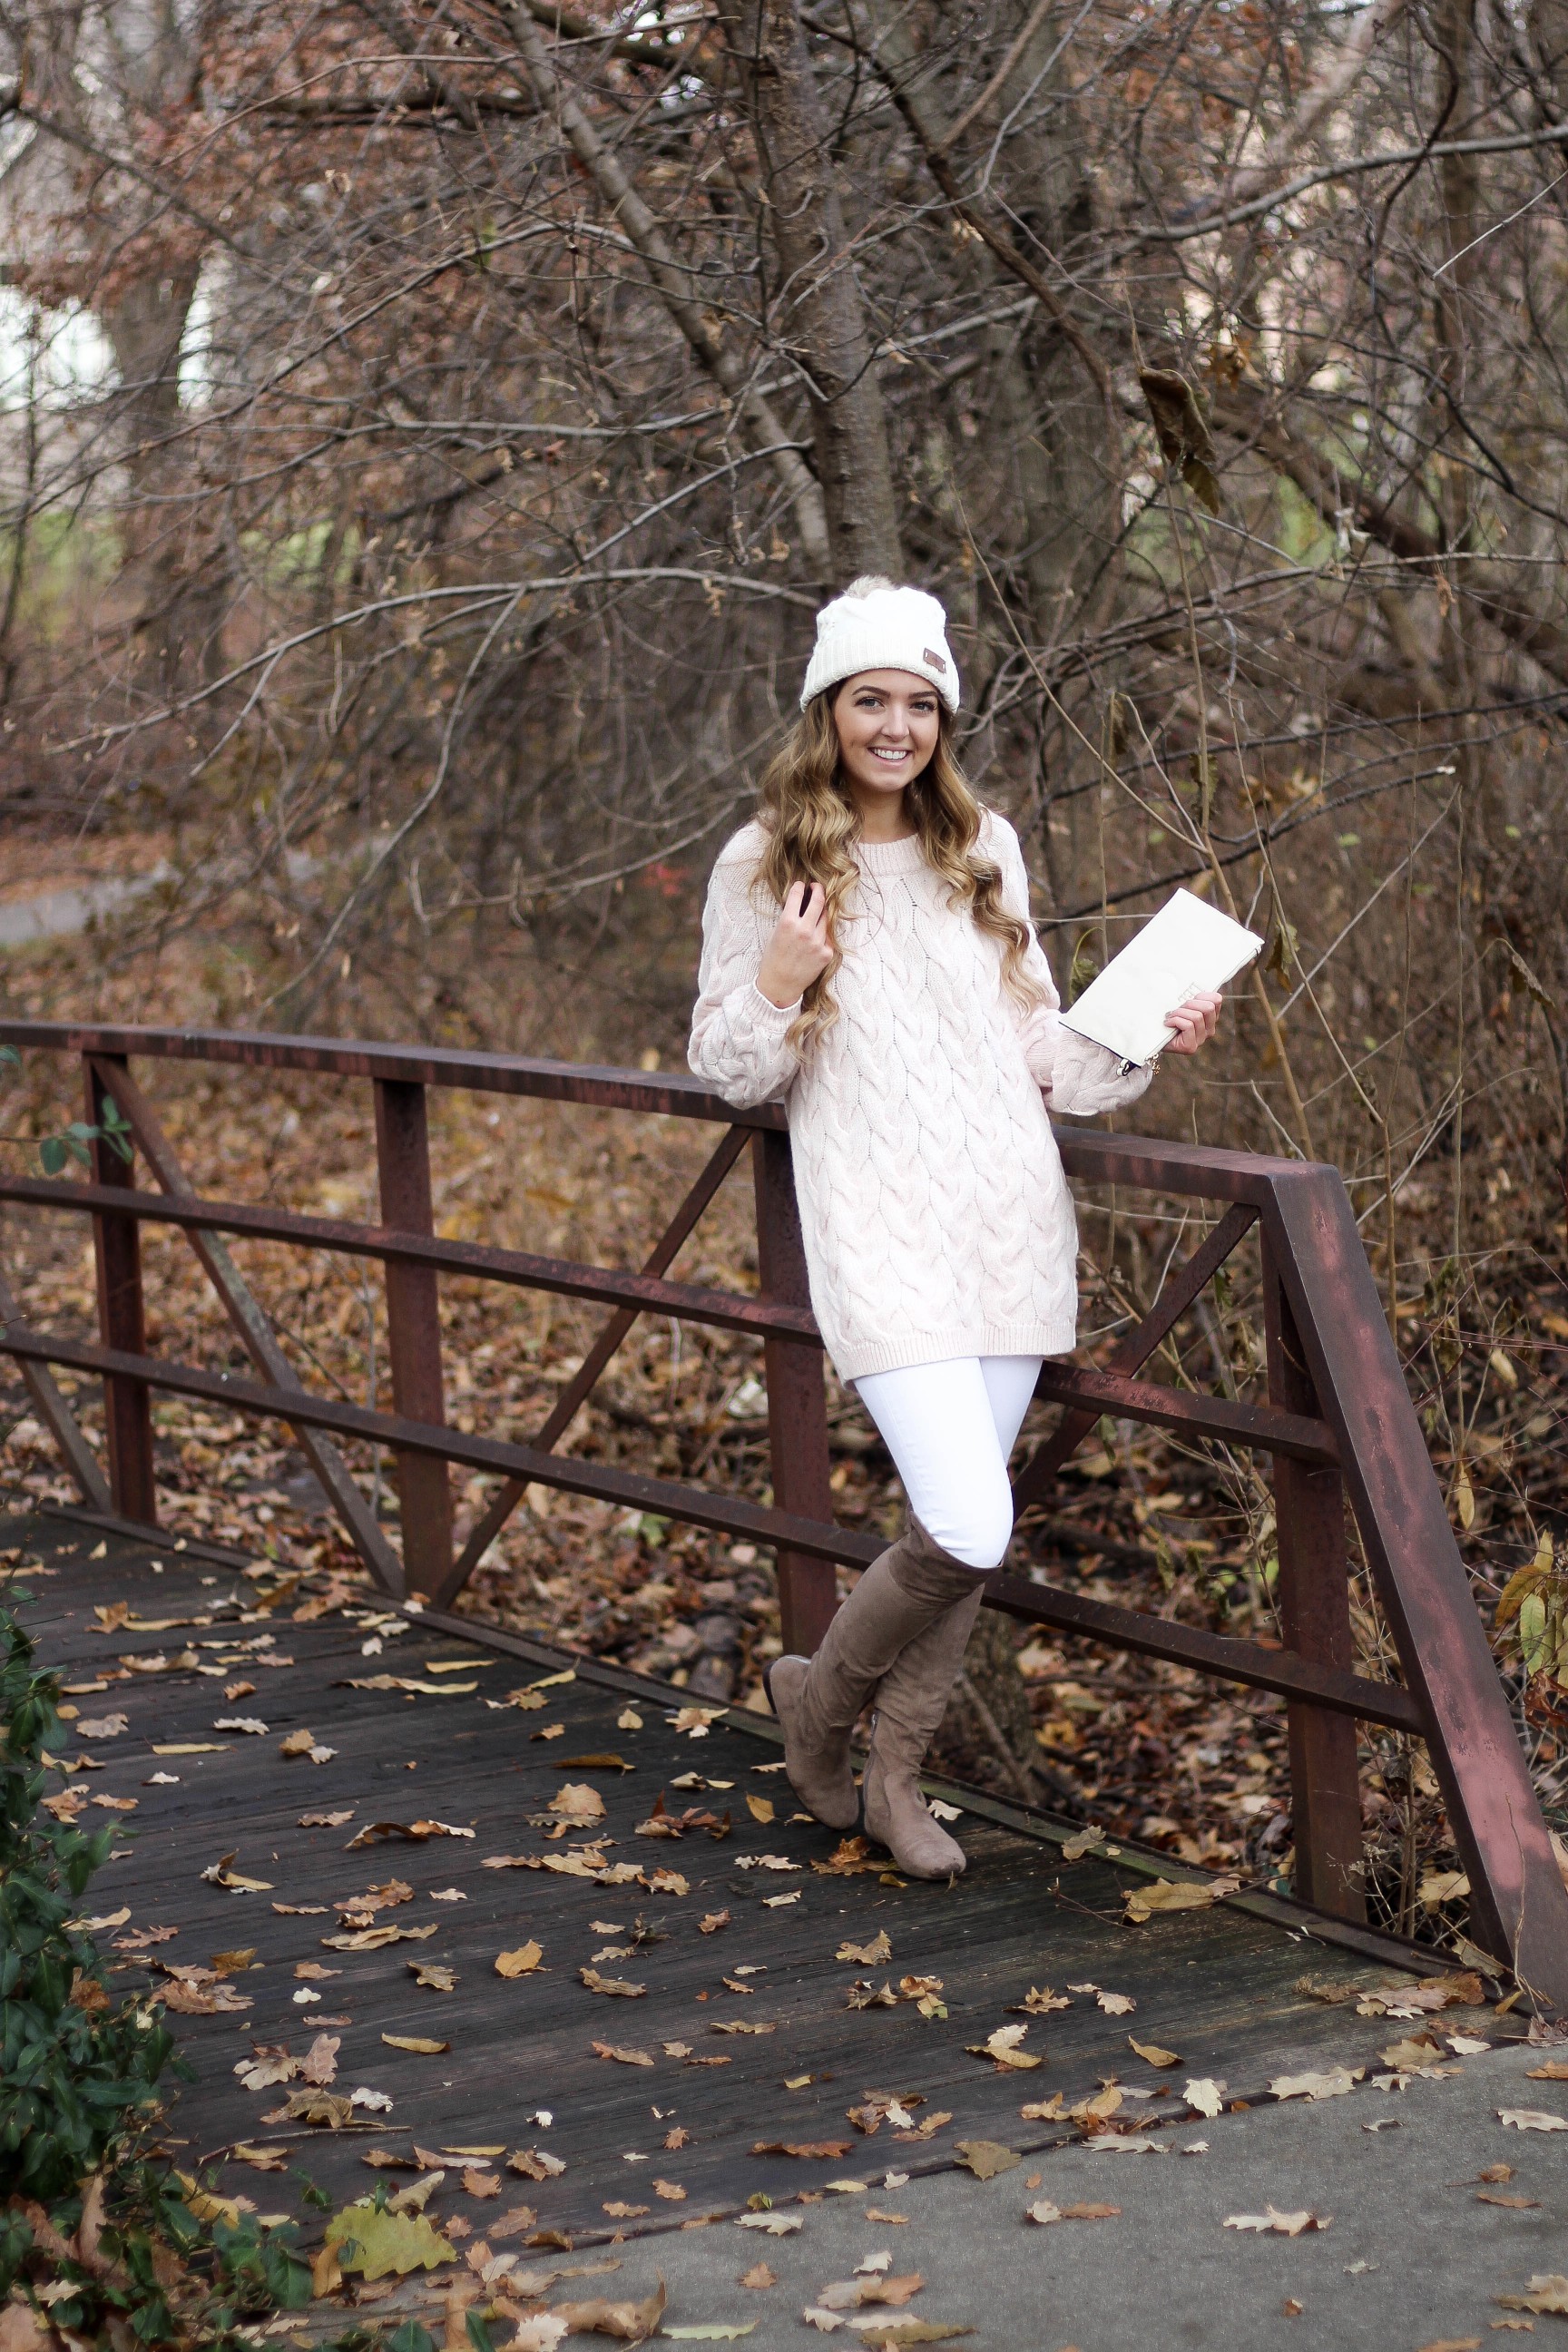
(1411, 2259)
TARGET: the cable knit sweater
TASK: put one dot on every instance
(936, 1217)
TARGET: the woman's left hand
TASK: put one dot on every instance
(1195, 1022)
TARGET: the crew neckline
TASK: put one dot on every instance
(904, 856)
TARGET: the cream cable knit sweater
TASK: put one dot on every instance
(936, 1217)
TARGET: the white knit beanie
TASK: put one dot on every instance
(874, 625)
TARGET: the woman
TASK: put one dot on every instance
(868, 955)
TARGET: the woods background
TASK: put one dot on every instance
(427, 434)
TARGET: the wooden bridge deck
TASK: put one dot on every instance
(731, 2019)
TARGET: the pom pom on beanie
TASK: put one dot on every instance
(875, 625)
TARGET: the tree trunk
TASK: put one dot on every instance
(821, 316)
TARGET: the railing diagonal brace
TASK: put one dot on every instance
(249, 1318)
(55, 1413)
(1135, 1350)
(561, 1414)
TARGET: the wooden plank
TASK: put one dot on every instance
(1019, 1917)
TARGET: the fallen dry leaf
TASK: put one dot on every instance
(218, 1874)
(1547, 2293)
(1003, 2047)
(850, 1858)
(1332, 2084)
(373, 2244)
(534, 2164)
(986, 2157)
(1151, 2052)
(927, 2127)
(616, 1985)
(416, 1832)
(1285, 2225)
(883, 2332)
(1205, 2096)
(433, 1978)
(1407, 2056)
(1115, 2004)
(541, 2332)
(776, 2225)
(403, 1683)
(1040, 2001)
(869, 1956)
(577, 1801)
(759, 2276)
(632, 2322)
(376, 1939)
(1532, 2119)
(520, 1962)
(623, 2057)
(760, 1809)
(481, 2184)
(1179, 1894)
(1046, 2212)
(712, 1921)
(1554, 2071)
(319, 2063)
(417, 2042)
(852, 2294)
(190, 1995)
(1084, 1842)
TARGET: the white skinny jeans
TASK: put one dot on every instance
(950, 1428)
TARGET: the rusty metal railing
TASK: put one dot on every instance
(1338, 1423)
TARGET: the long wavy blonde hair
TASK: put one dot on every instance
(811, 825)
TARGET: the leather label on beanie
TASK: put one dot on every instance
(935, 660)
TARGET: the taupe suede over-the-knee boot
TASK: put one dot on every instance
(818, 1699)
(911, 1699)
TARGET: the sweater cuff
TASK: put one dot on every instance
(769, 1015)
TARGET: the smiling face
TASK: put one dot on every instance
(887, 721)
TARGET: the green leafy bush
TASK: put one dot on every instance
(98, 2241)
(75, 2069)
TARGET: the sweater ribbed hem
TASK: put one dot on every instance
(854, 1363)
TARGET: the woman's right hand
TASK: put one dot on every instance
(800, 949)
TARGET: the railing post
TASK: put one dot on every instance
(1315, 1618)
(797, 1400)
(121, 1319)
(413, 1332)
